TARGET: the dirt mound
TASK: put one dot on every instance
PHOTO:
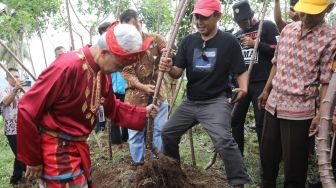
(163, 172)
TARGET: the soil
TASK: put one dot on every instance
(157, 173)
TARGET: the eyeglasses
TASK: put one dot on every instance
(204, 57)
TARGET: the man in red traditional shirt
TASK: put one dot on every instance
(58, 113)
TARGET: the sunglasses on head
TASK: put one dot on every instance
(204, 57)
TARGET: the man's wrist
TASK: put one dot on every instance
(15, 90)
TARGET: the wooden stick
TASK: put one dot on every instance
(175, 95)
(18, 60)
(98, 142)
(193, 158)
(109, 130)
(177, 20)
(212, 162)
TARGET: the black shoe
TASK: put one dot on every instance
(315, 183)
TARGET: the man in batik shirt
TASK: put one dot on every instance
(141, 79)
(302, 68)
(10, 97)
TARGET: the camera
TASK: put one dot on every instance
(27, 83)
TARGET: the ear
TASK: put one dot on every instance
(330, 7)
(104, 52)
(218, 16)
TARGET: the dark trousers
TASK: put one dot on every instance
(19, 167)
(239, 115)
(287, 140)
(119, 134)
(214, 116)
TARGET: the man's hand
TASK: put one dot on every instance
(33, 172)
(151, 110)
(262, 99)
(166, 64)
(294, 15)
(334, 123)
(313, 130)
(241, 93)
(148, 88)
(19, 84)
(247, 41)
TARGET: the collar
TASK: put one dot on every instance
(315, 30)
(89, 58)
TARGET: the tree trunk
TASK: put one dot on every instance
(70, 25)
(323, 146)
(30, 58)
(43, 50)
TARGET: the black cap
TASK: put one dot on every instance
(242, 11)
(293, 2)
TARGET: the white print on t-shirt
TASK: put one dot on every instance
(277, 39)
(247, 54)
(204, 61)
(246, 50)
(101, 114)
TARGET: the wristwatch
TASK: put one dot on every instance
(15, 90)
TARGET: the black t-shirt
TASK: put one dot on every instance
(265, 52)
(208, 68)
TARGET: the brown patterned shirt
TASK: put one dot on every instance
(302, 64)
(146, 72)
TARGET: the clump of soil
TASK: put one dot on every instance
(161, 172)
(158, 173)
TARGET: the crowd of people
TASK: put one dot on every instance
(113, 81)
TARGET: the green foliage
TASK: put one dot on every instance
(25, 16)
(100, 8)
(150, 9)
(186, 23)
(6, 159)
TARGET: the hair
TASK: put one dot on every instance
(293, 2)
(127, 15)
(58, 48)
(12, 69)
(103, 27)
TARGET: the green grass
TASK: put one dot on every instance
(6, 159)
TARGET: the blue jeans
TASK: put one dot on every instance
(137, 138)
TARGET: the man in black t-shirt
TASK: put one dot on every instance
(208, 57)
(243, 16)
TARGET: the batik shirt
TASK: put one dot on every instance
(303, 62)
(146, 72)
(9, 113)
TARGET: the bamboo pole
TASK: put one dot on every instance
(323, 138)
(17, 60)
(177, 20)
